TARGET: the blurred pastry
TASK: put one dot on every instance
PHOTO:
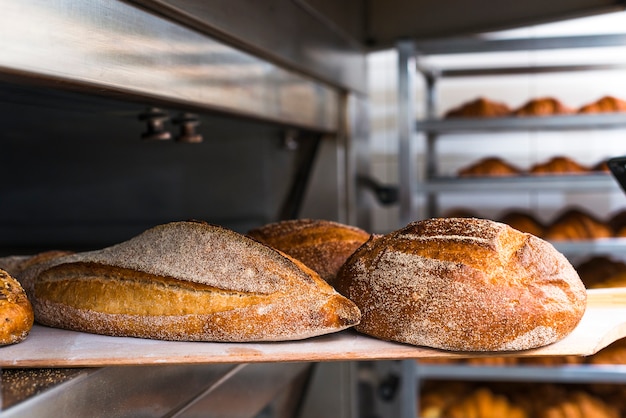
(479, 108)
(490, 167)
(606, 104)
(559, 165)
(576, 224)
(523, 221)
(543, 106)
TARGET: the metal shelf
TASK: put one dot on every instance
(574, 182)
(524, 124)
(563, 374)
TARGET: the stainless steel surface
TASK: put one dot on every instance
(164, 391)
(407, 155)
(296, 34)
(472, 72)
(112, 47)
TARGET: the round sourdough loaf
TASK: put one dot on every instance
(16, 312)
(463, 284)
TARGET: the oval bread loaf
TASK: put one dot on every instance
(463, 284)
(16, 312)
(322, 245)
(188, 281)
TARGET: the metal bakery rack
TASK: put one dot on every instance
(117, 115)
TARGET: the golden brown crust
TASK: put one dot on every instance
(483, 403)
(16, 312)
(543, 106)
(577, 224)
(321, 245)
(490, 166)
(463, 284)
(559, 165)
(524, 222)
(188, 281)
(605, 104)
(479, 108)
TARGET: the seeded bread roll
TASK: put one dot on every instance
(321, 245)
(187, 281)
(463, 284)
(16, 312)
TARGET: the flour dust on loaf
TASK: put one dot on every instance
(463, 284)
(188, 281)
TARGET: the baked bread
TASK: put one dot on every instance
(490, 166)
(465, 285)
(16, 312)
(479, 108)
(187, 281)
(577, 224)
(605, 104)
(558, 165)
(543, 106)
(617, 222)
(322, 245)
(523, 221)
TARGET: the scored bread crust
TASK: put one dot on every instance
(320, 244)
(463, 284)
(16, 312)
(188, 281)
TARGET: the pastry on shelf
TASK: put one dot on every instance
(599, 270)
(523, 221)
(579, 404)
(576, 224)
(601, 166)
(606, 104)
(490, 167)
(617, 221)
(479, 108)
(558, 165)
(543, 106)
(484, 403)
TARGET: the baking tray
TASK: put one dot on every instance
(603, 323)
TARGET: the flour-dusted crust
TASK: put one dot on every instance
(188, 281)
(463, 284)
(320, 244)
(16, 312)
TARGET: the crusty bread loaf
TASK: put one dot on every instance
(605, 104)
(543, 106)
(321, 245)
(490, 166)
(559, 165)
(463, 284)
(479, 108)
(16, 312)
(187, 281)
